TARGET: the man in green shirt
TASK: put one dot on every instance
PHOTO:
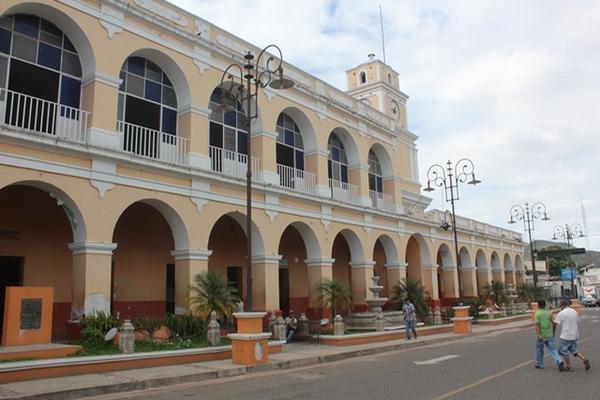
(544, 329)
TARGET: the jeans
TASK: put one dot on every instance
(410, 325)
(567, 346)
(289, 335)
(539, 351)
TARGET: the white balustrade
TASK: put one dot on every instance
(344, 191)
(38, 116)
(150, 143)
(297, 179)
(381, 201)
(233, 164)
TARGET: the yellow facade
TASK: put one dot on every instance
(113, 223)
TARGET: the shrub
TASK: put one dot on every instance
(334, 295)
(145, 323)
(186, 325)
(414, 290)
(95, 326)
(212, 291)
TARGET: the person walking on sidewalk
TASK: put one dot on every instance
(568, 319)
(410, 318)
(544, 330)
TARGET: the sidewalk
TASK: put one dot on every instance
(294, 355)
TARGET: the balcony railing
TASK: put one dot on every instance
(150, 143)
(381, 201)
(233, 164)
(344, 191)
(42, 117)
(297, 179)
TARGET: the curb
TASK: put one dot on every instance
(229, 373)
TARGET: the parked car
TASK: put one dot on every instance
(589, 301)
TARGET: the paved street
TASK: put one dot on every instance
(496, 366)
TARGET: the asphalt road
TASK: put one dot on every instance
(497, 366)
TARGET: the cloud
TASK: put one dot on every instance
(513, 85)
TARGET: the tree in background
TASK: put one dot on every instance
(557, 262)
(334, 295)
(414, 290)
(529, 294)
(496, 291)
(212, 291)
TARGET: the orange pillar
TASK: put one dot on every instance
(461, 321)
(249, 346)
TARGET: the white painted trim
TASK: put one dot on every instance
(319, 262)
(104, 139)
(249, 337)
(105, 249)
(195, 109)
(366, 264)
(191, 254)
(101, 77)
(399, 265)
(267, 259)
(249, 315)
(199, 161)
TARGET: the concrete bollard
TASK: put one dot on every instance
(379, 322)
(303, 328)
(127, 338)
(437, 316)
(338, 325)
(279, 329)
(213, 333)
(462, 321)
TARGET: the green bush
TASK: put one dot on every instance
(186, 325)
(474, 305)
(95, 326)
(148, 324)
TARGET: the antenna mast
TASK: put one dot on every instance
(585, 228)
(382, 34)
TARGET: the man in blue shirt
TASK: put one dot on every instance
(410, 318)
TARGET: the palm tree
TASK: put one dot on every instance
(413, 289)
(528, 293)
(212, 291)
(334, 295)
(496, 291)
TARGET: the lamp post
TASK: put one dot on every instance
(449, 177)
(244, 88)
(569, 232)
(528, 215)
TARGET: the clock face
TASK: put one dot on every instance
(395, 109)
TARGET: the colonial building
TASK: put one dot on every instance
(120, 179)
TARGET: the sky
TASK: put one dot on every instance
(512, 85)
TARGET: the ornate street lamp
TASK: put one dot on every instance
(528, 215)
(569, 232)
(243, 88)
(449, 177)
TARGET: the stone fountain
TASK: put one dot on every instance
(367, 320)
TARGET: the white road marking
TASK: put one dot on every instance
(436, 360)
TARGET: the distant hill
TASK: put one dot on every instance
(590, 257)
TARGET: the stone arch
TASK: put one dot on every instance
(174, 220)
(258, 244)
(465, 258)
(519, 263)
(173, 72)
(444, 257)
(387, 167)
(495, 262)
(417, 256)
(307, 130)
(389, 247)
(385, 255)
(350, 146)
(508, 265)
(481, 261)
(68, 25)
(357, 253)
(257, 123)
(64, 200)
(311, 242)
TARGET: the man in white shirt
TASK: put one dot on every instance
(568, 320)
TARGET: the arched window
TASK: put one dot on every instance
(363, 77)
(40, 68)
(375, 175)
(146, 96)
(389, 78)
(337, 165)
(290, 147)
(227, 128)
